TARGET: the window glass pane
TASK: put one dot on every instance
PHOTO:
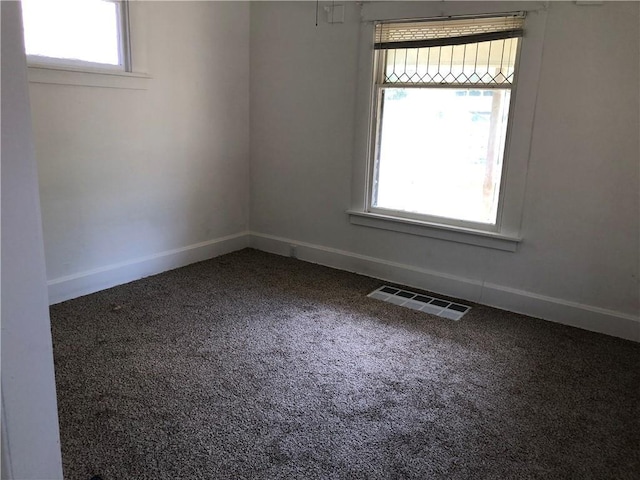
(486, 62)
(440, 152)
(85, 30)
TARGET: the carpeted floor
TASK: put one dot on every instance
(253, 366)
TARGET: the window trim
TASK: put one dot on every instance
(124, 49)
(378, 86)
(458, 234)
(85, 77)
(522, 112)
(134, 75)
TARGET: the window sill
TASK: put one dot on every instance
(87, 77)
(469, 236)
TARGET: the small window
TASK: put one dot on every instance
(77, 32)
(443, 94)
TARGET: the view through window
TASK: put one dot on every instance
(75, 31)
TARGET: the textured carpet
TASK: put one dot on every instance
(253, 366)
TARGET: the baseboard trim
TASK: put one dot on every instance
(84, 283)
(609, 322)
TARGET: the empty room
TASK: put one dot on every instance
(320, 239)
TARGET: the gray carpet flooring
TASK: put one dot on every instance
(253, 366)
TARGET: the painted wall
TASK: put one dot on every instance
(129, 178)
(30, 438)
(581, 214)
(249, 121)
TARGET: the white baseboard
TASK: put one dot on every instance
(579, 315)
(610, 322)
(84, 283)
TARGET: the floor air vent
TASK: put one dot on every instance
(423, 303)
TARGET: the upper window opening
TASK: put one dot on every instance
(443, 96)
(458, 52)
(76, 32)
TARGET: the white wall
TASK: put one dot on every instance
(30, 439)
(579, 261)
(134, 182)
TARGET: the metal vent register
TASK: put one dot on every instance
(422, 303)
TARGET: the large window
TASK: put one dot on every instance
(77, 32)
(442, 92)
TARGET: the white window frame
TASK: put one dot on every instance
(124, 50)
(506, 234)
(132, 73)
